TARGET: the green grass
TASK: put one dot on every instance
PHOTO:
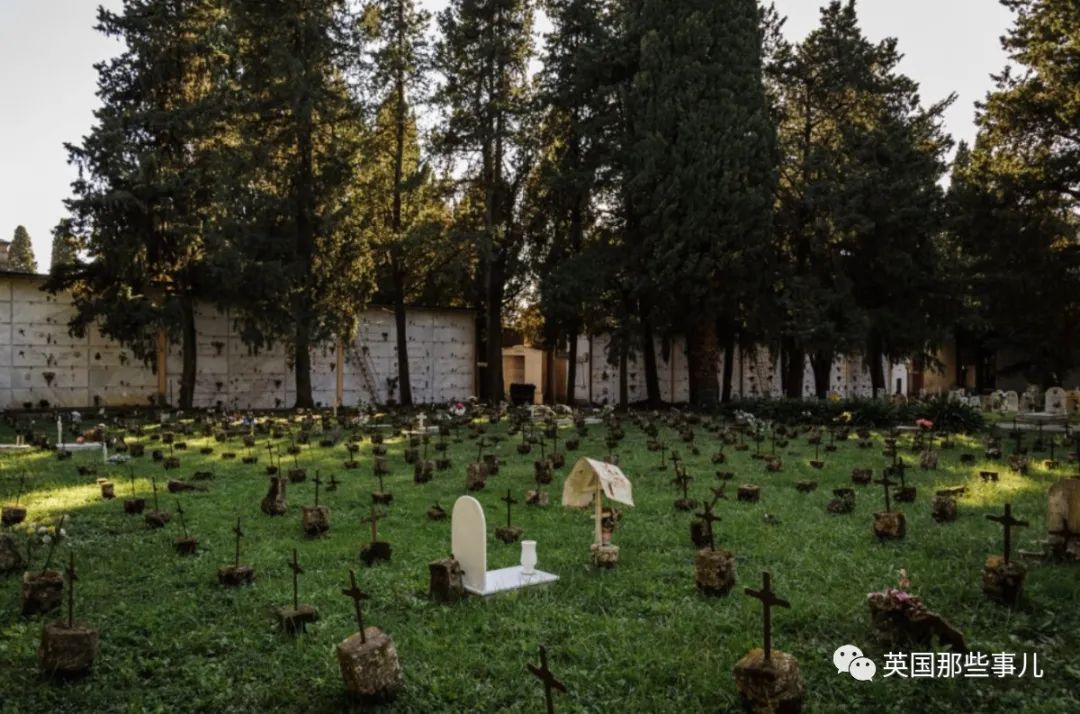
(638, 638)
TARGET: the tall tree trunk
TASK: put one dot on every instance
(190, 349)
(877, 372)
(624, 380)
(729, 363)
(821, 362)
(794, 365)
(550, 396)
(401, 324)
(648, 350)
(303, 367)
(703, 350)
(571, 369)
(398, 269)
(495, 290)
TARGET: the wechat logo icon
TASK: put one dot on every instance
(850, 659)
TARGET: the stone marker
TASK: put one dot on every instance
(294, 619)
(888, 524)
(376, 551)
(275, 503)
(368, 659)
(236, 574)
(769, 681)
(14, 515)
(446, 584)
(185, 545)
(508, 533)
(1003, 579)
(43, 591)
(156, 518)
(315, 520)
(68, 649)
(714, 570)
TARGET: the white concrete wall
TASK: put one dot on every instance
(40, 361)
(755, 374)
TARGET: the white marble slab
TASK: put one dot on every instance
(512, 578)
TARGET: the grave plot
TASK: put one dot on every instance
(147, 589)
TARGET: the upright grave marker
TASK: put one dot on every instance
(767, 679)
(368, 659)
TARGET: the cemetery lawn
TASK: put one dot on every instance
(638, 638)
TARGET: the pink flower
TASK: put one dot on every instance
(925, 424)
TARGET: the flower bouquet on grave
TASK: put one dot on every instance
(902, 619)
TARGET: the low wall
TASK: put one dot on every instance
(40, 361)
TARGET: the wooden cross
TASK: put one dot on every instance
(379, 476)
(550, 682)
(72, 576)
(718, 493)
(357, 595)
(887, 483)
(768, 600)
(683, 480)
(18, 494)
(318, 482)
(663, 450)
(480, 444)
(900, 468)
(180, 513)
(153, 484)
(373, 519)
(508, 500)
(52, 544)
(239, 534)
(131, 477)
(1007, 523)
(294, 565)
(709, 517)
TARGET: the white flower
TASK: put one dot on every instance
(46, 539)
(63, 533)
(42, 530)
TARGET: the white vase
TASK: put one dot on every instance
(528, 557)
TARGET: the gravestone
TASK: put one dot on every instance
(1011, 402)
(368, 659)
(769, 680)
(1063, 518)
(469, 547)
(67, 648)
(1056, 402)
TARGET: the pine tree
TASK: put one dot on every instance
(402, 181)
(144, 199)
(701, 167)
(65, 246)
(483, 54)
(1014, 200)
(858, 206)
(298, 250)
(21, 252)
(575, 96)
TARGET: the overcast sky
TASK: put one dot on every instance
(47, 80)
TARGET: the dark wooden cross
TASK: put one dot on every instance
(153, 485)
(768, 601)
(294, 565)
(545, 675)
(542, 446)
(509, 500)
(72, 576)
(663, 450)
(180, 514)
(18, 494)
(52, 544)
(900, 468)
(1008, 523)
(718, 493)
(886, 483)
(357, 595)
(709, 517)
(239, 534)
(683, 481)
(373, 519)
(131, 477)
(318, 482)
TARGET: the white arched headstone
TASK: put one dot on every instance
(468, 542)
